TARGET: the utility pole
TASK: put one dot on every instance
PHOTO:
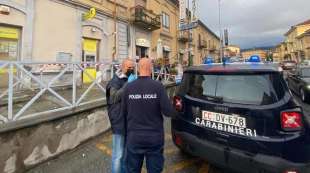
(189, 35)
(220, 29)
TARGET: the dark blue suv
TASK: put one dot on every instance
(241, 117)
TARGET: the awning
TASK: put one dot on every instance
(167, 48)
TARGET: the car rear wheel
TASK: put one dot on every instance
(303, 95)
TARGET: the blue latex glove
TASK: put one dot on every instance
(131, 78)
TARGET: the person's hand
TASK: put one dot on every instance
(131, 78)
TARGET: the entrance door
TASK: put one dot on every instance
(141, 51)
(9, 50)
(90, 55)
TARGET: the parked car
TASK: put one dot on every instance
(289, 65)
(306, 62)
(241, 117)
(299, 82)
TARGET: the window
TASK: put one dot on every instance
(166, 20)
(8, 50)
(262, 89)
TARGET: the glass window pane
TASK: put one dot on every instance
(8, 50)
(243, 89)
(246, 89)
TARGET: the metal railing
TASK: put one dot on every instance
(151, 20)
(30, 89)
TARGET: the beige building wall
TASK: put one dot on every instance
(232, 50)
(208, 46)
(50, 27)
(304, 45)
(56, 30)
(302, 29)
(16, 17)
(293, 44)
(108, 7)
(168, 36)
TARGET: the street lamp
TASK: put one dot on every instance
(220, 29)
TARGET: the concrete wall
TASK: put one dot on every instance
(26, 147)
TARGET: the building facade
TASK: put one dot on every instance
(304, 45)
(60, 33)
(232, 50)
(155, 25)
(292, 45)
(255, 52)
(120, 29)
(205, 44)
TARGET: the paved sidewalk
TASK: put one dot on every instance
(94, 157)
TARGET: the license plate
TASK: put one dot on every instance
(232, 120)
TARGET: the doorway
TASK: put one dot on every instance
(141, 51)
(90, 54)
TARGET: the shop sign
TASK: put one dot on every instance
(182, 7)
(167, 48)
(90, 45)
(11, 33)
(143, 42)
(189, 26)
(90, 14)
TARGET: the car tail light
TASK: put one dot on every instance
(177, 103)
(291, 121)
(291, 172)
(178, 140)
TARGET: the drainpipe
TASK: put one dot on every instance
(115, 31)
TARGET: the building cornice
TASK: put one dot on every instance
(14, 5)
(206, 28)
(87, 7)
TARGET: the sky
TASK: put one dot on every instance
(254, 23)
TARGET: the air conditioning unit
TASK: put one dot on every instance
(4, 10)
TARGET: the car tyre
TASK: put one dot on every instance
(303, 95)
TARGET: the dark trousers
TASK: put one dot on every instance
(153, 156)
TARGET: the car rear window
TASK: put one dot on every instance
(305, 72)
(253, 89)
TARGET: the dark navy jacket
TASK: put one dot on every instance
(114, 91)
(144, 103)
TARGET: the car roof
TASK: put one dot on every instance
(235, 68)
(304, 67)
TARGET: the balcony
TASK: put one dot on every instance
(185, 36)
(212, 48)
(202, 44)
(145, 19)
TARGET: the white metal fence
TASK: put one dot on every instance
(30, 89)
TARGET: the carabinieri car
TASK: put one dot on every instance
(241, 117)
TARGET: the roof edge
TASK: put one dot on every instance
(208, 29)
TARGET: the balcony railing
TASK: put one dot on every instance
(146, 19)
(185, 36)
(212, 48)
(202, 44)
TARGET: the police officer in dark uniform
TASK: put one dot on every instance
(144, 103)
